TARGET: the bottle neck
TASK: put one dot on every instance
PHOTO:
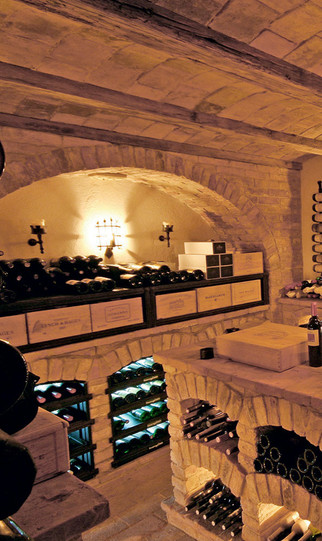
(314, 310)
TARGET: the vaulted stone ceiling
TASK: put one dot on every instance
(223, 78)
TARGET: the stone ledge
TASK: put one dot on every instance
(61, 508)
(191, 525)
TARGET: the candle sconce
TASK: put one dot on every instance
(166, 228)
(108, 236)
(39, 231)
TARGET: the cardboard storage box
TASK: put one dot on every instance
(46, 438)
(272, 346)
(248, 263)
(207, 247)
(198, 261)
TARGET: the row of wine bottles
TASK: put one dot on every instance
(47, 393)
(139, 392)
(141, 414)
(71, 414)
(142, 367)
(204, 422)
(292, 457)
(143, 438)
(25, 278)
(295, 528)
(216, 504)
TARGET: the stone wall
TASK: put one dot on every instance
(97, 359)
(192, 461)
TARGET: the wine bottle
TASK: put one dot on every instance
(78, 287)
(212, 414)
(53, 393)
(317, 228)
(122, 447)
(258, 465)
(142, 414)
(318, 196)
(236, 530)
(117, 400)
(295, 476)
(195, 407)
(195, 274)
(302, 465)
(317, 217)
(284, 524)
(143, 436)
(308, 483)
(317, 207)
(58, 276)
(131, 394)
(20, 265)
(72, 388)
(119, 423)
(281, 469)
(210, 487)
(107, 283)
(161, 405)
(310, 455)
(300, 526)
(317, 248)
(65, 263)
(71, 414)
(269, 465)
(158, 431)
(7, 295)
(94, 286)
(317, 258)
(318, 491)
(93, 260)
(130, 280)
(314, 331)
(316, 473)
(317, 268)
(234, 517)
(116, 378)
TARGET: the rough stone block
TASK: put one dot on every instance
(286, 415)
(271, 403)
(135, 350)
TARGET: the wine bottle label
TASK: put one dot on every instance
(313, 337)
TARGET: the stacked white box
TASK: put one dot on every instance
(213, 265)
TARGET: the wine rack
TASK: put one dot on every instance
(70, 400)
(290, 456)
(216, 509)
(206, 423)
(138, 410)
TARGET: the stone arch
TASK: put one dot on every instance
(193, 181)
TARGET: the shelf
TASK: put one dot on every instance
(81, 449)
(77, 425)
(65, 402)
(138, 404)
(85, 474)
(137, 427)
(140, 452)
(135, 381)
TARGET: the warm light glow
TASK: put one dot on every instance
(90, 232)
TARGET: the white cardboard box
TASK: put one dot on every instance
(198, 261)
(14, 329)
(58, 323)
(272, 346)
(248, 263)
(207, 247)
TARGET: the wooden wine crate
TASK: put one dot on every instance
(46, 439)
(272, 346)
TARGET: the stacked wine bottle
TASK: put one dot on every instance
(27, 278)
(292, 457)
(217, 506)
(205, 423)
(69, 400)
(293, 527)
(138, 409)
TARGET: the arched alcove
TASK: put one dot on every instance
(216, 207)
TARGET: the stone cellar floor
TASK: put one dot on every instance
(135, 492)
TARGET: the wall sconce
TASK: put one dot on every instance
(167, 228)
(39, 231)
(108, 236)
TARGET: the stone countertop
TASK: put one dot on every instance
(301, 384)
